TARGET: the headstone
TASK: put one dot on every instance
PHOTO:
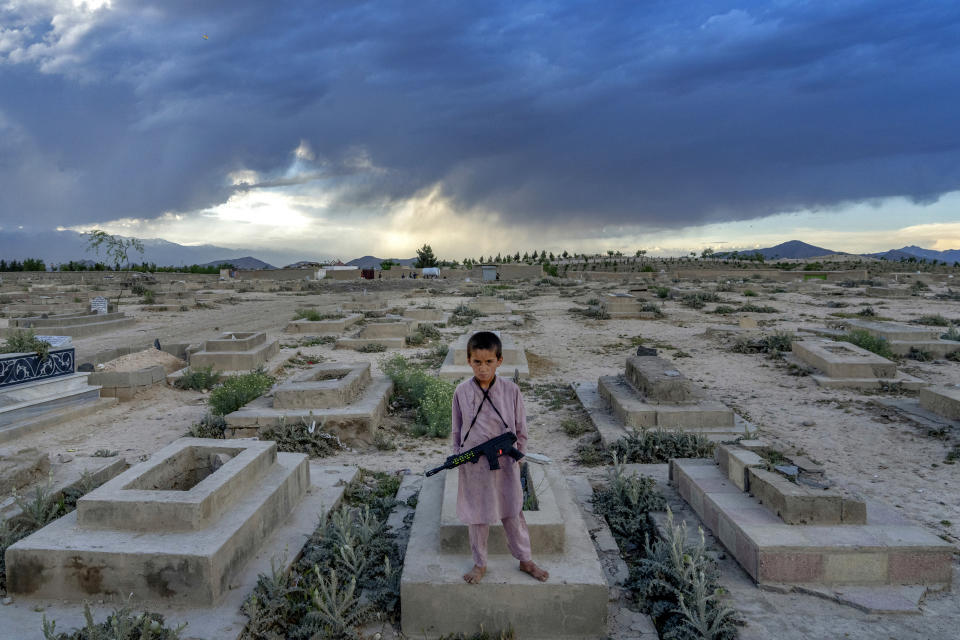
(57, 341)
(98, 305)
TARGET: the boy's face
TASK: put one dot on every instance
(484, 363)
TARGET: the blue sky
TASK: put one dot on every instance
(345, 128)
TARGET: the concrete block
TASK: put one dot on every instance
(855, 568)
(235, 351)
(942, 400)
(659, 380)
(66, 560)
(843, 359)
(545, 525)
(572, 604)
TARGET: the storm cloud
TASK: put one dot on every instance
(662, 114)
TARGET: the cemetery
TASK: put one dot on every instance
(819, 473)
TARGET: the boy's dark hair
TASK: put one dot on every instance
(483, 341)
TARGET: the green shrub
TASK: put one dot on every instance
(372, 347)
(210, 426)
(662, 292)
(464, 315)
(429, 395)
(122, 624)
(574, 427)
(864, 340)
(952, 334)
(650, 307)
(24, 341)
(723, 309)
(750, 293)
(236, 391)
(867, 312)
(347, 574)
(199, 379)
(149, 297)
(626, 502)
(699, 300)
(933, 321)
(920, 355)
(312, 315)
(297, 437)
(753, 308)
(648, 447)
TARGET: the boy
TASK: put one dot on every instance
(484, 407)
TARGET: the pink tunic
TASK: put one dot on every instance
(485, 496)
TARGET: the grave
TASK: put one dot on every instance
(342, 398)
(571, 604)
(36, 392)
(489, 305)
(323, 327)
(389, 331)
(176, 529)
(428, 316)
(943, 400)
(235, 351)
(75, 325)
(888, 292)
(624, 305)
(847, 366)
(653, 394)
(455, 366)
(805, 533)
(903, 337)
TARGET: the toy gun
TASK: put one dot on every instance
(492, 449)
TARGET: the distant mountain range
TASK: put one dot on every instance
(54, 247)
(949, 256)
(795, 249)
(372, 262)
(246, 263)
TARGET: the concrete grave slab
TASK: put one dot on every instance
(845, 365)
(174, 529)
(572, 604)
(342, 398)
(456, 368)
(236, 351)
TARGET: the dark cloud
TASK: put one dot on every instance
(661, 113)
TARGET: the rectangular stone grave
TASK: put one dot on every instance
(341, 398)
(544, 524)
(571, 604)
(455, 366)
(174, 529)
(845, 365)
(902, 338)
(942, 400)
(883, 550)
(236, 351)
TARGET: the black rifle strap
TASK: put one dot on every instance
(486, 398)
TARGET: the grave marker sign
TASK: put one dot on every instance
(98, 305)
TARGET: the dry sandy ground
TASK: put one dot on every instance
(861, 447)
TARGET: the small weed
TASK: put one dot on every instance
(933, 321)
(301, 437)
(750, 293)
(105, 453)
(576, 427)
(662, 292)
(920, 355)
(753, 308)
(372, 347)
(723, 309)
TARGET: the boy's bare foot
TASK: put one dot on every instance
(475, 575)
(529, 567)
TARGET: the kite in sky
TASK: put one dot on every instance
(204, 36)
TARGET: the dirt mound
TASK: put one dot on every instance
(144, 359)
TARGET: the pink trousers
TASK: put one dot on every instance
(518, 540)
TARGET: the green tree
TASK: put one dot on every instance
(116, 248)
(387, 264)
(425, 257)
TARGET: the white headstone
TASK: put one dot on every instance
(98, 305)
(57, 341)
